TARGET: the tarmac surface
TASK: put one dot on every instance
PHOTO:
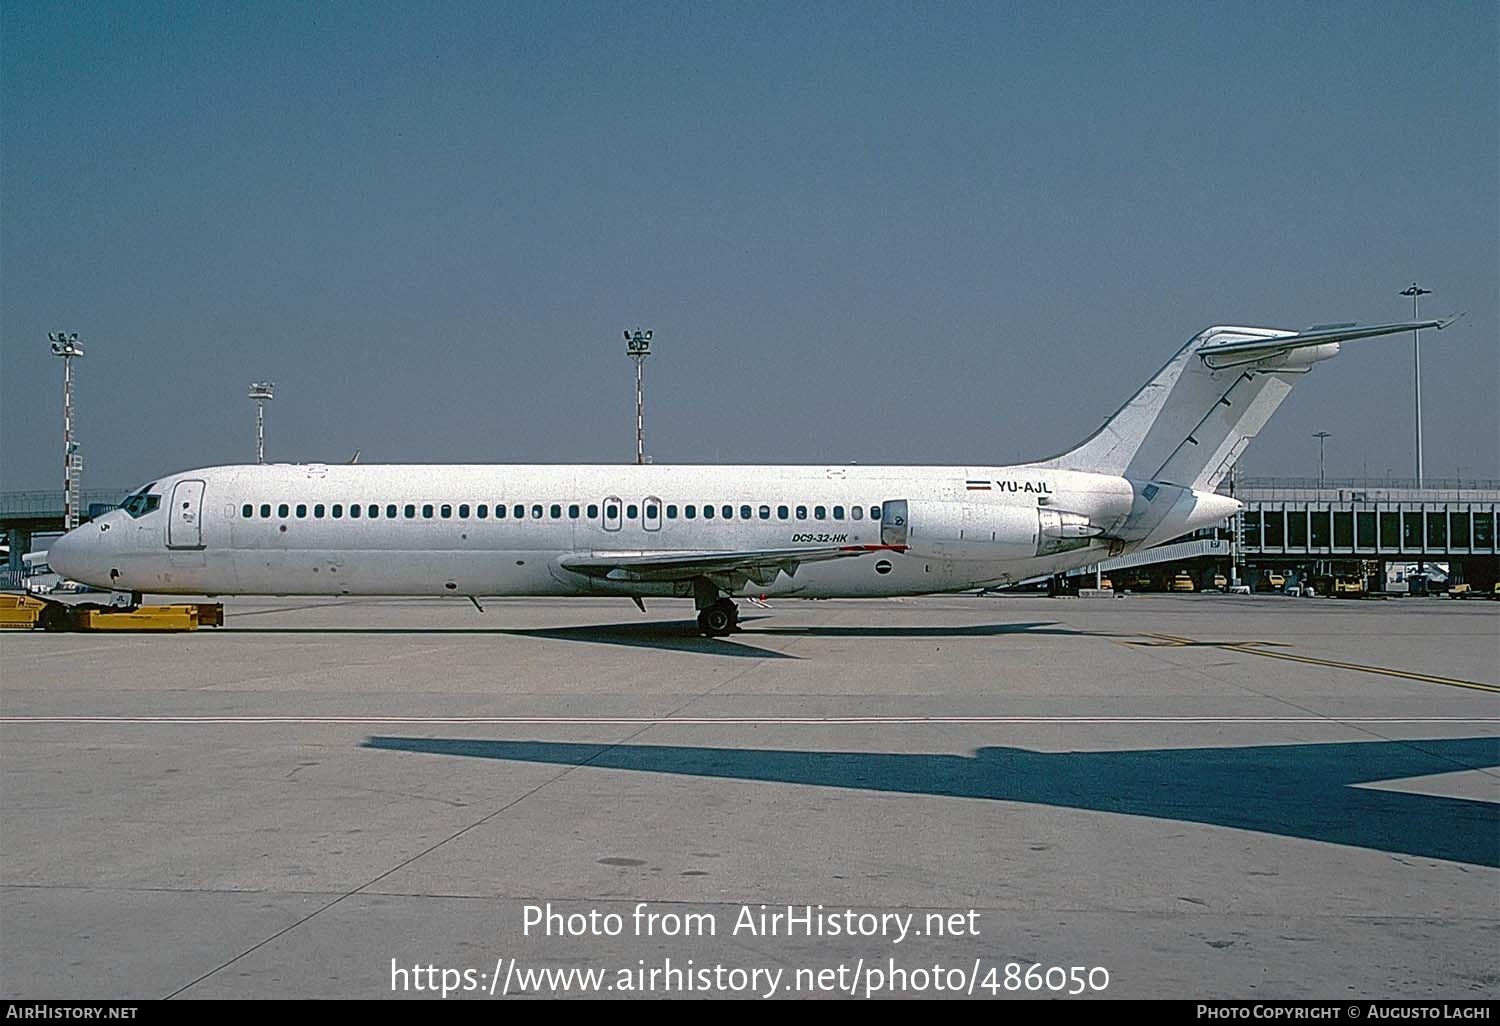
(1204, 796)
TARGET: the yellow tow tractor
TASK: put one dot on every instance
(27, 612)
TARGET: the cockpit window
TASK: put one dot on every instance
(138, 503)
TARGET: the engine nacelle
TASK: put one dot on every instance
(981, 531)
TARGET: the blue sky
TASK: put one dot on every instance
(913, 233)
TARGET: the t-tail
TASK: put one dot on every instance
(1190, 422)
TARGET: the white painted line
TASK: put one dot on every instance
(714, 721)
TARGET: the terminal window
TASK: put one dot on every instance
(1322, 530)
(1273, 529)
(1411, 530)
(1252, 529)
(1296, 527)
(1437, 530)
(1458, 529)
(1364, 524)
(1484, 530)
(1390, 531)
(1343, 529)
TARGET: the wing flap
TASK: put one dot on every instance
(761, 565)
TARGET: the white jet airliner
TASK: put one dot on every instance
(713, 532)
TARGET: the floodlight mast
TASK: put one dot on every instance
(638, 347)
(262, 392)
(1416, 291)
(66, 345)
(1321, 436)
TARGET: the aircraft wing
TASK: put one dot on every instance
(759, 565)
(1259, 348)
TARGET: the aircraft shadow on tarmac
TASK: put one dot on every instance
(1304, 791)
(683, 635)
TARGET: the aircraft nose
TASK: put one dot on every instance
(79, 556)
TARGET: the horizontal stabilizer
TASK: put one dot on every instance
(1322, 335)
(1189, 423)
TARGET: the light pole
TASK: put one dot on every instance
(262, 392)
(66, 345)
(638, 347)
(1321, 436)
(1416, 291)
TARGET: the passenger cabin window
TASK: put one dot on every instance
(671, 512)
(632, 511)
(857, 512)
(801, 512)
(463, 511)
(727, 512)
(536, 512)
(410, 511)
(573, 511)
(874, 512)
(519, 512)
(744, 512)
(765, 512)
(690, 512)
(445, 511)
(282, 510)
(265, 510)
(708, 512)
(482, 511)
(246, 510)
(319, 510)
(338, 510)
(301, 510)
(838, 512)
(373, 512)
(555, 511)
(390, 512)
(427, 511)
(820, 512)
(593, 510)
(652, 511)
(782, 513)
(354, 511)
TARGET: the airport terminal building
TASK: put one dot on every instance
(1366, 530)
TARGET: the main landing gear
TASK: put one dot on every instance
(720, 619)
(717, 615)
